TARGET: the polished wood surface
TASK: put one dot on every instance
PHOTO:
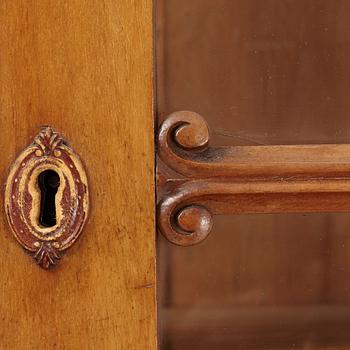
(86, 69)
(245, 327)
(272, 72)
(261, 72)
(183, 145)
(208, 180)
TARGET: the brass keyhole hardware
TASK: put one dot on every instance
(47, 198)
(196, 181)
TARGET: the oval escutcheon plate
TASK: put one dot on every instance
(47, 198)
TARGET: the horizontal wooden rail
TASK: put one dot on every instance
(196, 181)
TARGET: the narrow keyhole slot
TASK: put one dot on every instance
(48, 181)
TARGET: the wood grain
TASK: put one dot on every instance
(86, 69)
(262, 73)
(272, 72)
(263, 328)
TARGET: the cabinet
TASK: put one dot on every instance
(105, 75)
(262, 73)
(84, 68)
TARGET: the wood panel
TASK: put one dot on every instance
(261, 328)
(86, 69)
(253, 263)
(262, 73)
(272, 72)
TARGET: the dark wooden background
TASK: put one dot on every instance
(261, 72)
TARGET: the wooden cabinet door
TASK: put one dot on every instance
(84, 68)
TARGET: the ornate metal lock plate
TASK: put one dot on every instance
(47, 198)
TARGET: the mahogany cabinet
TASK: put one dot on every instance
(84, 68)
(262, 74)
(175, 174)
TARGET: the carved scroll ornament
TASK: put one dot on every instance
(196, 181)
(66, 215)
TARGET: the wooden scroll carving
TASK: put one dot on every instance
(46, 197)
(196, 181)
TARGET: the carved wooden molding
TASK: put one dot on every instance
(196, 181)
(49, 155)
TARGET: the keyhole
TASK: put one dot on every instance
(49, 181)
